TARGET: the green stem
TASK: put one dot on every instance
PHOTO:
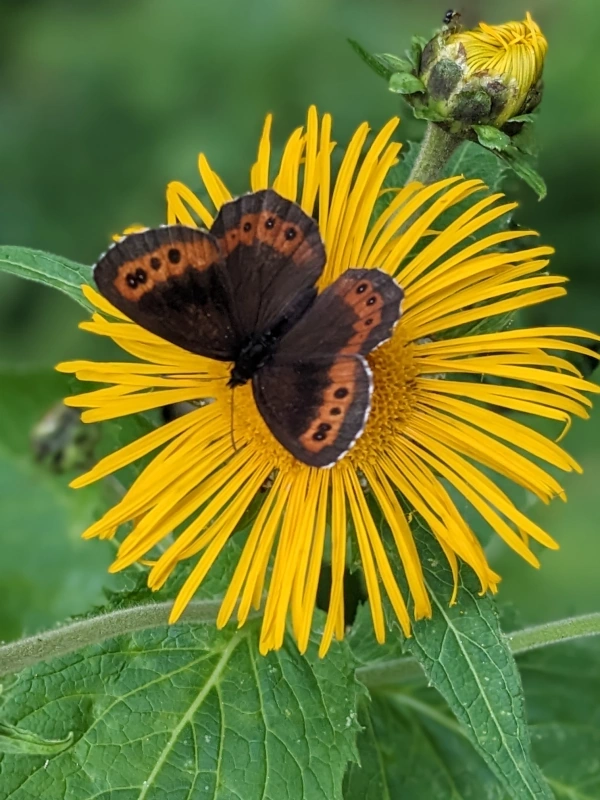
(389, 674)
(554, 632)
(15, 656)
(69, 638)
(436, 148)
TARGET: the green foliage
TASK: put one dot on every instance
(522, 165)
(405, 83)
(382, 64)
(185, 711)
(562, 686)
(491, 137)
(59, 273)
(412, 749)
(466, 657)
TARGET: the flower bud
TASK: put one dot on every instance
(485, 76)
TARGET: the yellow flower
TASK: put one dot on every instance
(513, 53)
(484, 76)
(431, 416)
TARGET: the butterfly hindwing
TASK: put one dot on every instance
(315, 395)
(170, 280)
(273, 255)
(316, 409)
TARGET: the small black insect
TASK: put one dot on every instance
(451, 16)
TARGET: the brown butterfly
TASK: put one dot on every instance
(245, 293)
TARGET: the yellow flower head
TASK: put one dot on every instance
(435, 423)
(513, 53)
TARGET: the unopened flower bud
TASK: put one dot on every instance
(485, 76)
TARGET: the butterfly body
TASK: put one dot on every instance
(258, 349)
(255, 353)
(245, 293)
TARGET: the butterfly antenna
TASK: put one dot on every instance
(233, 444)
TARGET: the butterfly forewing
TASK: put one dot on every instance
(315, 395)
(171, 281)
(273, 254)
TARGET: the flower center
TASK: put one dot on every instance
(394, 392)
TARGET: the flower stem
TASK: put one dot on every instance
(69, 638)
(560, 630)
(390, 674)
(436, 148)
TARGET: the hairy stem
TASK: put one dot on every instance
(69, 638)
(390, 674)
(554, 632)
(436, 148)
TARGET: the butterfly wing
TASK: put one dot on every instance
(171, 281)
(317, 408)
(315, 394)
(273, 256)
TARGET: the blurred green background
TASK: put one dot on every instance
(101, 104)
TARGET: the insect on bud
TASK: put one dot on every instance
(484, 76)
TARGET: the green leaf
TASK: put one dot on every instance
(405, 83)
(466, 657)
(395, 63)
(55, 271)
(417, 45)
(492, 138)
(562, 687)
(472, 161)
(21, 742)
(525, 170)
(526, 141)
(428, 114)
(413, 749)
(384, 64)
(371, 60)
(365, 647)
(186, 711)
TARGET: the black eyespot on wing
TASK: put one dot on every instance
(300, 404)
(344, 319)
(170, 281)
(273, 255)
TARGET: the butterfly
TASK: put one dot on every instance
(244, 292)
